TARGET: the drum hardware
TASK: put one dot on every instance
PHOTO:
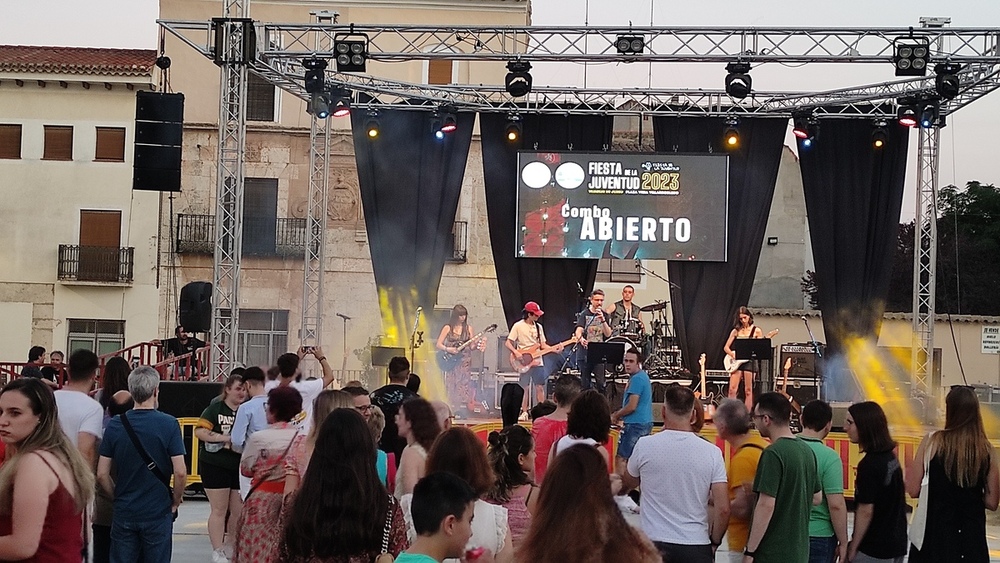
(655, 306)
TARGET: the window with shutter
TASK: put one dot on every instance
(10, 140)
(439, 71)
(110, 144)
(58, 143)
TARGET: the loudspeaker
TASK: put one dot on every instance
(382, 355)
(187, 398)
(196, 307)
(803, 390)
(805, 363)
(159, 129)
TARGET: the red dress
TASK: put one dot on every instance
(545, 432)
(62, 532)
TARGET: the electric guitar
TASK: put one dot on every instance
(706, 399)
(732, 365)
(447, 361)
(796, 407)
(522, 360)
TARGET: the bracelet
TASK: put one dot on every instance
(748, 553)
(321, 359)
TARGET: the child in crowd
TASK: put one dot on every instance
(442, 510)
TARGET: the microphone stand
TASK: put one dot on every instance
(343, 366)
(576, 345)
(819, 355)
(670, 284)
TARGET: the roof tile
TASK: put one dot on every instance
(77, 60)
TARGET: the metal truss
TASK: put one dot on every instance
(924, 259)
(311, 331)
(229, 189)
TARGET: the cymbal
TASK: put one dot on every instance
(654, 307)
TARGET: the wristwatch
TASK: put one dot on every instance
(749, 553)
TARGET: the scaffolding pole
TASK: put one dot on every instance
(924, 260)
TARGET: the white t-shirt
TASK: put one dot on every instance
(677, 470)
(310, 389)
(567, 441)
(489, 525)
(79, 413)
(525, 335)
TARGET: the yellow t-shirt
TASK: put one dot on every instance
(742, 469)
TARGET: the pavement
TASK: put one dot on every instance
(191, 543)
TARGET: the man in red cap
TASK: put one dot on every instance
(526, 343)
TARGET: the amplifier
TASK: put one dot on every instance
(711, 374)
(800, 348)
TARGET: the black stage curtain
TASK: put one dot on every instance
(410, 184)
(853, 198)
(706, 294)
(552, 282)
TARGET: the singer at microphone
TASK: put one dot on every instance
(592, 326)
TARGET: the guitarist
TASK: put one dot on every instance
(524, 334)
(458, 380)
(592, 326)
(743, 327)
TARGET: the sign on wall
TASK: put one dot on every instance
(991, 340)
(622, 205)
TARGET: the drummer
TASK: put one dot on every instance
(626, 318)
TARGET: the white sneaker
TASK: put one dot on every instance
(219, 556)
(523, 417)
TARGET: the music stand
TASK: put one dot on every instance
(612, 353)
(753, 349)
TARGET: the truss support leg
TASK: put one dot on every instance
(924, 262)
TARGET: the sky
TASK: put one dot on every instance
(966, 152)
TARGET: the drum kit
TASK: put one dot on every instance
(659, 346)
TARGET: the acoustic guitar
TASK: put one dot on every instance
(447, 361)
(796, 407)
(522, 360)
(732, 365)
(706, 398)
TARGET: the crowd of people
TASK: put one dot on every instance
(299, 473)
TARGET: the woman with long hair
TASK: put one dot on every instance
(964, 482)
(588, 422)
(456, 365)
(577, 496)
(264, 455)
(302, 449)
(417, 422)
(880, 516)
(115, 379)
(219, 465)
(458, 451)
(114, 383)
(340, 510)
(512, 456)
(743, 327)
(46, 486)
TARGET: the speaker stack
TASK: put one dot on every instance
(805, 372)
(196, 307)
(159, 127)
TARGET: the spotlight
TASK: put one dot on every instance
(513, 130)
(518, 79)
(319, 105)
(340, 102)
(911, 55)
(907, 116)
(929, 114)
(630, 44)
(738, 81)
(946, 82)
(732, 135)
(351, 52)
(800, 124)
(880, 135)
(371, 125)
(314, 81)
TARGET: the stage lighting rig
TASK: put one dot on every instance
(732, 136)
(518, 79)
(800, 124)
(630, 44)
(514, 128)
(880, 133)
(911, 55)
(351, 51)
(315, 82)
(319, 105)
(449, 122)
(372, 125)
(340, 102)
(738, 81)
(929, 113)
(946, 80)
(908, 112)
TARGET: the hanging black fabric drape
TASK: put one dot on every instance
(410, 184)
(706, 295)
(552, 282)
(853, 197)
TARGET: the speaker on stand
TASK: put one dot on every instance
(196, 307)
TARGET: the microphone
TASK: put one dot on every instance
(803, 317)
(343, 316)
(419, 310)
(579, 287)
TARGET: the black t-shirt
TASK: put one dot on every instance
(177, 348)
(388, 399)
(593, 328)
(50, 373)
(31, 370)
(880, 483)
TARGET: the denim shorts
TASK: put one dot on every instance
(534, 375)
(630, 435)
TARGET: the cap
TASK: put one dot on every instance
(533, 308)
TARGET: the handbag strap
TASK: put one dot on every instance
(276, 464)
(150, 464)
(388, 524)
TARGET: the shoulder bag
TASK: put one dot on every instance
(385, 556)
(918, 524)
(150, 464)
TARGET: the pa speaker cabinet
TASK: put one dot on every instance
(187, 398)
(196, 306)
(159, 128)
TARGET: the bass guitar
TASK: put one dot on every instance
(796, 407)
(447, 361)
(706, 399)
(522, 360)
(732, 364)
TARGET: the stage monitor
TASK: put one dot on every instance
(622, 205)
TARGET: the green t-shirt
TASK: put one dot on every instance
(218, 418)
(831, 477)
(415, 558)
(787, 472)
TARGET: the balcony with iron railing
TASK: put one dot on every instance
(95, 264)
(196, 235)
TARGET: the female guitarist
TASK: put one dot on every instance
(743, 327)
(457, 368)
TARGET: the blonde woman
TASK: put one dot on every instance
(302, 449)
(46, 485)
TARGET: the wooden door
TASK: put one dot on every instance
(100, 242)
